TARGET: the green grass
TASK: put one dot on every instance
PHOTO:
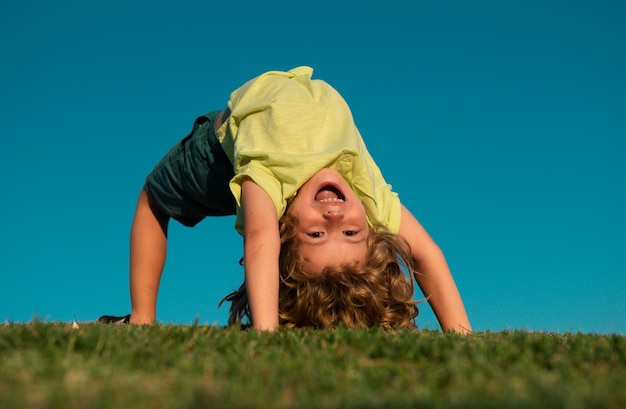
(48, 365)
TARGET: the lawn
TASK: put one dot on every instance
(55, 365)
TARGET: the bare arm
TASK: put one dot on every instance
(261, 251)
(434, 276)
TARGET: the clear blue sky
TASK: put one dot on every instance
(502, 125)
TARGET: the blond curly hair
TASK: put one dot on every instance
(380, 293)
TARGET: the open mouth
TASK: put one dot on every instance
(329, 194)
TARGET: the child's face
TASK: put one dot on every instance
(332, 225)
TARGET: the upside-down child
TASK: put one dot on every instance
(326, 240)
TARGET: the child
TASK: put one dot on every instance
(324, 235)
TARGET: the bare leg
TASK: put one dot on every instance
(148, 247)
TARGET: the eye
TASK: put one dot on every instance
(350, 232)
(315, 234)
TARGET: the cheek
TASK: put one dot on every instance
(298, 206)
(305, 216)
(359, 216)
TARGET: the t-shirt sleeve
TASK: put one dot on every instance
(265, 179)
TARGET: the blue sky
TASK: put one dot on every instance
(502, 125)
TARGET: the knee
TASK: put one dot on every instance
(145, 206)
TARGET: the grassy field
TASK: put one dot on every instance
(51, 365)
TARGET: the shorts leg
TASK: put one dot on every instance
(192, 180)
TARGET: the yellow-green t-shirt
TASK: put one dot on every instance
(284, 127)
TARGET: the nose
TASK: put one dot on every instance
(333, 214)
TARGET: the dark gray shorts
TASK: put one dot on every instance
(191, 181)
